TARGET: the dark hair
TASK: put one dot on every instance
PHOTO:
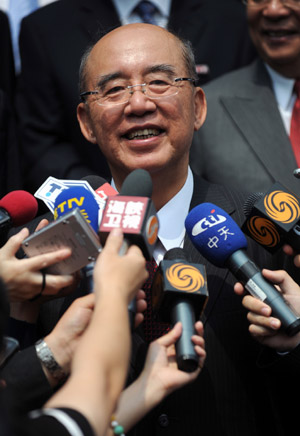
(186, 48)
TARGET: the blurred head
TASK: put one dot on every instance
(142, 131)
(274, 27)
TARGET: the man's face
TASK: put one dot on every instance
(275, 31)
(143, 133)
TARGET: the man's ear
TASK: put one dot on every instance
(84, 120)
(200, 108)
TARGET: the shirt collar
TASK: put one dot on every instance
(283, 88)
(171, 230)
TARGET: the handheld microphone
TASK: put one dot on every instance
(132, 211)
(273, 218)
(179, 293)
(220, 240)
(16, 208)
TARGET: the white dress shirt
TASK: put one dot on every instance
(285, 97)
(171, 219)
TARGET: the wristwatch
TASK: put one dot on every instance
(47, 358)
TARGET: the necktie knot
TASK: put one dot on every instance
(146, 10)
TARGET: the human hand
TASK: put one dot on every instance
(121, 274)
(23, 277)
(65, 336)
(263, 327)
(161, 374)
(287, 249)
(141, 306)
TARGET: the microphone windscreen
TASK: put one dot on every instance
(21, 206)
(250, 202)
(214, 233)
(94, 181)
(77, 196)
(175, 253)
(137, 184)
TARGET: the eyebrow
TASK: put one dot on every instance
(160, 68)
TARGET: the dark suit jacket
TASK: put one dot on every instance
(52, 40)
(243, 142)
(232, 395)
(7, 68)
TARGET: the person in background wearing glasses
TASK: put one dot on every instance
(251, 145)
(141, 107)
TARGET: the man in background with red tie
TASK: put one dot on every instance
(250, 138)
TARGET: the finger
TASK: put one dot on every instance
(54, 283)
(14, 242)
(256, 306)
(262, 321)
(171, 337)
(43, 223)
(261, 332)
(141, 295)
(239, 288)
(43, 261)
(113, 242)
(287, 249)
(141, 306)
(283, 279)
(139, 318)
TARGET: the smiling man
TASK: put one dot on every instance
(252, 144)
(141, 107)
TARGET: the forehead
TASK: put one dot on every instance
(133, 50)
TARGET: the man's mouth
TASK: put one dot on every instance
(143, 134)
(280, 33)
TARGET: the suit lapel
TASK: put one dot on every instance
(206, 192)
(256, 116)
(97, 17)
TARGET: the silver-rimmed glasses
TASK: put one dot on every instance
(120, 94)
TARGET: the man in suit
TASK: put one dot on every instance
(245, 140)
(52, 41)
(141, 117)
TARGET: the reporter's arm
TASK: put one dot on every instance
(159, 377)
(100, 363)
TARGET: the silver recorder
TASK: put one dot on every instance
(72, 231)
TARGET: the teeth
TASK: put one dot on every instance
(143, 133)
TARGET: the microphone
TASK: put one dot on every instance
(179, 293)
(220, 240)
(132, 211)
(80, 197)
(16, 208)
(100, 186)
(273, 218)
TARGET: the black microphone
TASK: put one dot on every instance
(273, 218)
(133, 211)
(179, 293)
(218, 238)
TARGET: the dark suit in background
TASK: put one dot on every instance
(7, 69)
(52, 41)
(243, 142)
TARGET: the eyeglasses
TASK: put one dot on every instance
(262, 3)
(120, 94)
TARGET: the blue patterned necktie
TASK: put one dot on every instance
(18, 10)
(146, 11)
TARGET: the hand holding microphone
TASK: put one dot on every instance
(218, 238)
(179, 293)
(263, 326)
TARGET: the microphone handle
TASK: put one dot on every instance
(186, 357)
(132, 305)
(250, 276)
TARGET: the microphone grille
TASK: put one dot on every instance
(137, 184)
(250, 202)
